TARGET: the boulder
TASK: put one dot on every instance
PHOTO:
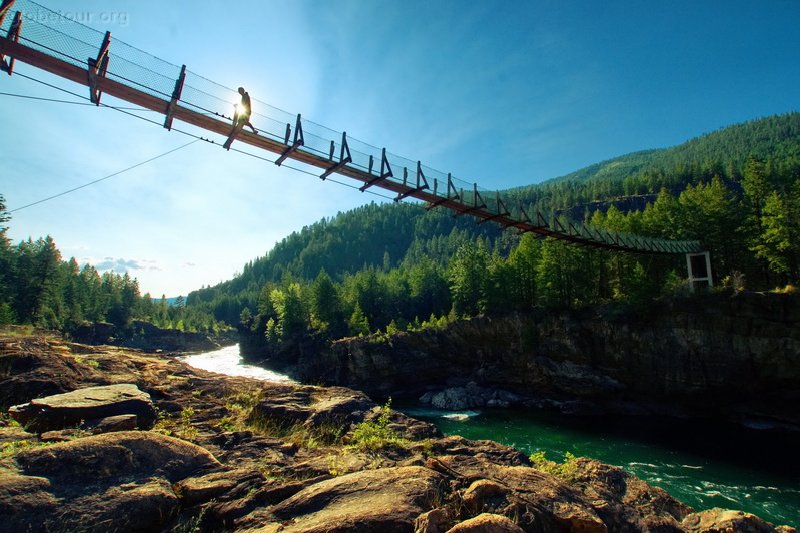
(236, 510)
(486, 450)
(718, 520)
(72, 408)
(112, 482)
(454, 399)
(487, 523)
(483, 494)
(111, 456)
(470, 396)
(110, 424)
(144, 507)
(284, 406)
(386, 500)
(536, 498)
(32, 370)
(25, 502)
(434, 521)
(621, 499)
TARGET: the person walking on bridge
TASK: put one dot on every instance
(243, 110)
(241, 118)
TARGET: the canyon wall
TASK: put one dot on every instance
(715, 354)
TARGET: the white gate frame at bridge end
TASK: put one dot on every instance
(698, 266)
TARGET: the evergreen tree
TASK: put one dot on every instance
(523, 261)
(7, 315)
(563, 275)
(428, 288)
(358, 323)
(780, 236)
(501, 291)
(709, 214)
(36, 264)
(290, 310)
(756, 190)
(660, 218)
(467, 274)
(4, 217)
(326, 307)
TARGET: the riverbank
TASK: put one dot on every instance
(142, 335)
(701, 464)
(721, 464)
(230, 453)
(716, 356)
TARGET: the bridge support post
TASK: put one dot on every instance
(298, 141)
(698, 266)
(176, 95)
(344, 157)
(386, 172)
(4, 8)
(13, 35)
(97, 69)
(422, 183)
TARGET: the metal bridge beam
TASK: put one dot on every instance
(450, 200)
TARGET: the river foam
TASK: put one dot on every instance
(228, 361)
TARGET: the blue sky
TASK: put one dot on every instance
(502, 93)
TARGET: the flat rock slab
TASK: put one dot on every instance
(72, 408)
(386, 500)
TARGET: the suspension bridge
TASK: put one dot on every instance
(47, 40)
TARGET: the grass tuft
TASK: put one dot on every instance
(567, 470)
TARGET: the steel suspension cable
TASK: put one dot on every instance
(103, 178)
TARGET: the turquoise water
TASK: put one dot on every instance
(703, 466)
(722, 466)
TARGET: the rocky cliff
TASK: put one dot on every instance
(717, 354)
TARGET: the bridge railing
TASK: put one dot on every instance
(68, 40)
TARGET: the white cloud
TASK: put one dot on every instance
(121, 265)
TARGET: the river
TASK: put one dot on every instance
(700, 464)
(228, 361)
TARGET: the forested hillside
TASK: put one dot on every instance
(735, 189)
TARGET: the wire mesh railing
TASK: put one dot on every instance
(70, 41)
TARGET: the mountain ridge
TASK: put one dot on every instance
(384, 236)
(770, 133)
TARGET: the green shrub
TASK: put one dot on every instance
(567, 470)
(377, 435)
